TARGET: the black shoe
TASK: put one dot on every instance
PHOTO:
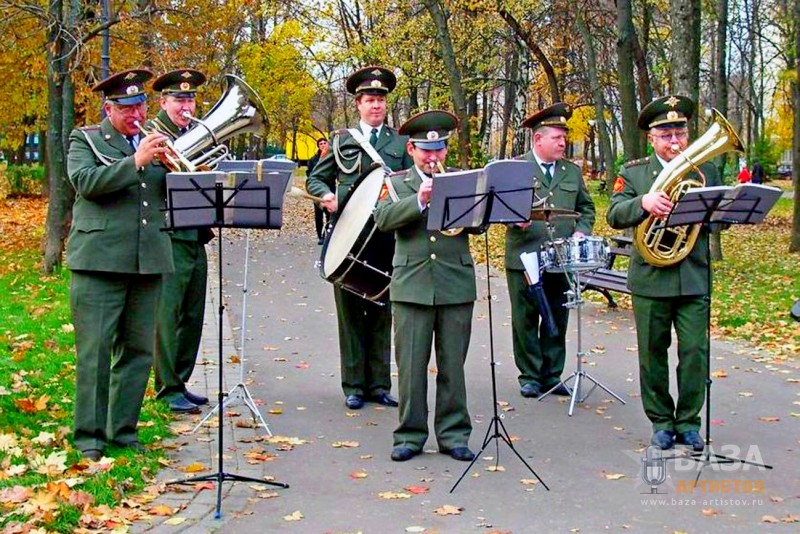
(195, 398)
(385, 399)
(462, 454)
(560, 390)
(530, 391)
(663, 439)
(692, 439)
(320, 240)
(183, 405)
(354, 402)
(401, 454)
(92, 454)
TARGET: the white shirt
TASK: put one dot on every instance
(366, 129)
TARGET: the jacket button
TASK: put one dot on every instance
(144, 222)
(433, 256)
(144, 185)
(433, 239)
(145, 204)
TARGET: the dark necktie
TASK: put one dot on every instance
(548, 175)
(182, 131)
(131, 141)
(373, 139)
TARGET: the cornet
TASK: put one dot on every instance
(451, 232)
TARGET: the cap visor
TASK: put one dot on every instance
(430, 145)
(182, 94)
(129, 100)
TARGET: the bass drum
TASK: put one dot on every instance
(356, 256)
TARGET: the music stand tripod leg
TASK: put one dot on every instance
(496, 422)
(221, 476)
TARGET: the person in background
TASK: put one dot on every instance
(319, 212)
(744, 175)
(117, 255)
(181, 309)
(757, 176)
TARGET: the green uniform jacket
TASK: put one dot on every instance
(688, 277)
(328, 177)
(429, 268)
(566, 191)
(109, 197)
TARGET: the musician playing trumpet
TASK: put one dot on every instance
(666, 296)
(179, 322)
(432, 293)
(117, 255)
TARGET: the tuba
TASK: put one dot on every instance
(239, 110)
(660, 246)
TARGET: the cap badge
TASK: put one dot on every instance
(672, 101)
(375, 83)
(566, 108)
(672, 115)
(186, 74)
(562, 119)
(185, 86)
(132, 90)
(130, 76)
(376, 72)
(433, 135)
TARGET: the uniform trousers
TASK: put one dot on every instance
(538, 355)
(180, 318)
(418, 329)
(364, 344)
(654, 320)
(114, 319)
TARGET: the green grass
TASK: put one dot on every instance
(37, 375)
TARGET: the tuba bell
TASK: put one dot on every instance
(660, 246)
(239, 110)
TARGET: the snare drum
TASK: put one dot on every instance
(575, 254)
(356, 256)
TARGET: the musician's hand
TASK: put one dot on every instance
(657, 204)
(523, 225)
(149, 147)
(329, 202)
(424, 194)
(578, 234)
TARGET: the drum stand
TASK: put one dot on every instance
(575, 300)
(240, 393)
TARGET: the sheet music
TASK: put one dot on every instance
(530, 260)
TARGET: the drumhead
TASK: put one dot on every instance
(351, 221)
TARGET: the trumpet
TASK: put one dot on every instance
(451, 232)
(172, 159)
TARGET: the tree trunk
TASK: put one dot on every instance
(794, 242)
(720, 100)
(597, 94)
(686, 52)
(61, 193)
(531, 42)
(454, 76)
(509, 92)
(631, 137)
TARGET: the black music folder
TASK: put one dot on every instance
(740, 204)
(459, 199)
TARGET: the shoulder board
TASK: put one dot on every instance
(340, 131)
(636, 162)
(398, 174)
(92, 128)
(569, 163)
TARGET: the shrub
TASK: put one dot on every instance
(25, 180)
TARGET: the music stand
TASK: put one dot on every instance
(201, 200)
(726, 205)
(278, 169)
(499, 193)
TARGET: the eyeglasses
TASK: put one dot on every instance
(667, 137)
(130, 110)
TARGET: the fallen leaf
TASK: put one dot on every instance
(194, 467)
(769, 419)
(529, 481)
(613, 476)
(344, 444)
(769, 519)
(416, 490)
(162, 510)
(791, 518)
(389, 495)
(415, 529)
(448, 509)
(710, 512)
(720, 373)
(495, 468)
(359, 474)
(177, 520)
(294, 516)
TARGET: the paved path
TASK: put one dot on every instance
(340, 469)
